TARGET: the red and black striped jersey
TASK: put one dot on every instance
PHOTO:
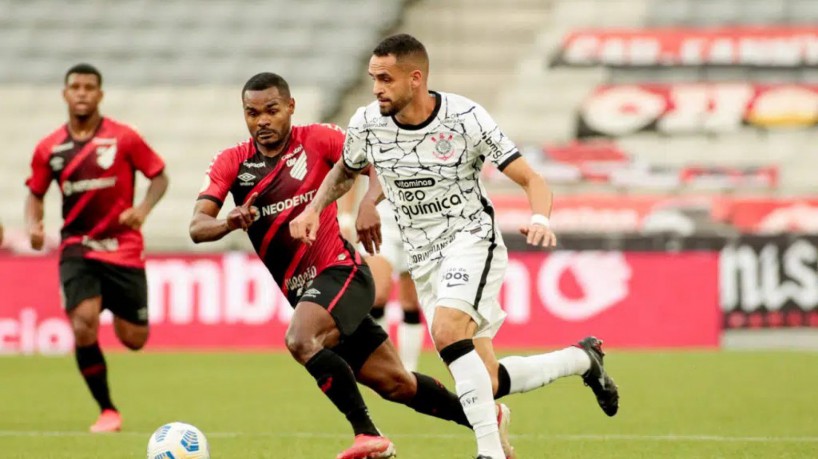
(286, 183)
(96, 179)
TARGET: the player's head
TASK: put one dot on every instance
(268, 108)
(399, 67)
(83, 90)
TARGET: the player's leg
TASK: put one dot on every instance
(410, 331)
(382, 275)
(516, 374)
(336, 303)
(379, 367)
(125, 294)
(81, 292)
(452, 332)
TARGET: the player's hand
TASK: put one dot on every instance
(244, 215)
(133, 217)
(368, 226)
(305, 226)
(36, 234)
(536, 235)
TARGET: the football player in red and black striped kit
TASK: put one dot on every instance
(94, 159)
(272, 177)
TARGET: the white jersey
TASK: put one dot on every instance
(430, 173)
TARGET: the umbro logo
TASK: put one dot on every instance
(246, 179)
(313, 293)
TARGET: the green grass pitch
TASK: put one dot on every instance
(674, 405)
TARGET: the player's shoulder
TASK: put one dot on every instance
(54, 138)
(235, 154)
(460, 104)
(307, 131)
(117, 128)
(367, 117)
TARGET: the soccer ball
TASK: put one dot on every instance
(178, 440)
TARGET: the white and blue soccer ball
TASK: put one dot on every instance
(178, 440)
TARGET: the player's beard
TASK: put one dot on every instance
(395, 107)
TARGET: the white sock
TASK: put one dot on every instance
(410, 342)
(383, 322)
(473, 386)
(529, 373)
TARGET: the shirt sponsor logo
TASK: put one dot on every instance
(280, 206)
(81, 186)
(253, 165)
(415, 183)
(62, 147)
(101, 245)
(435, 206)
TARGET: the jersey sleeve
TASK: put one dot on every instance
(142, 156)
(219, 177)
(355, 142)
(333, 142)
(491, 141)
(41, 175)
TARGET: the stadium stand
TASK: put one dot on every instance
(174, 72)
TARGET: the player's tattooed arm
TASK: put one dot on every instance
(205, 226)
(337, 183)
(34, 220)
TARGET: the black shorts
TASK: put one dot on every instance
(124, 290)
(348, 292)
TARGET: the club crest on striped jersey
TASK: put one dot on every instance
(298, 166)
(106, 155)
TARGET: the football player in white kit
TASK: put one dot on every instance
(428, 149)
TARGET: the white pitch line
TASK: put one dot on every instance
(544, 437)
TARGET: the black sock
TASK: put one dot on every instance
(504, 383)
(411, 317)
(377, 311)
(335, 378)
(92, 366)
(432, 398)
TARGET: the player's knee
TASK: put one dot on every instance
(85, 330)
(301, 347)
(135, 340)
(443, 336)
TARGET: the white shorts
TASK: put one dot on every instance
(467, 279)
(391, 243)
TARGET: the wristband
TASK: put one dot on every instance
(539, 219)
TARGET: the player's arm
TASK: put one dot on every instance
(540, 199)
(34, 211)
(368, 223)
(135, 216)
(205, 226)
(338, 182)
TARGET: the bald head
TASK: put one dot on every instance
(408, 51)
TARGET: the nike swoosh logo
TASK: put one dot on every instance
(602, 382)
(454, 285)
